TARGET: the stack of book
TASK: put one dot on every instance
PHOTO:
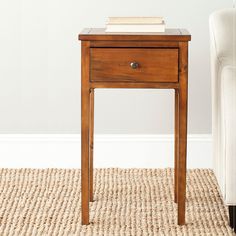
(135, 24)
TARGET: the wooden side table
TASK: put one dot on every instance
(134, 60)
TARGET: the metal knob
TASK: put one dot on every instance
(134, 65)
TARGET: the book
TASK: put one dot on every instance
(135, 20)
(135, 28)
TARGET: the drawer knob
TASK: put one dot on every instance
(134, 65)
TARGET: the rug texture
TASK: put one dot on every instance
(127, 202)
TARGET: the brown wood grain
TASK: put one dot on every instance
(176, 144)
(155, 65)
(163, 64)
(91, 144)
(85, 104)
(183, 103)
(135, 44)
(100, 34)
(128, 85)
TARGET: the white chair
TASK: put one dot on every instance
(223, 62)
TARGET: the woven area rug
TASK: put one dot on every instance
(127, 202)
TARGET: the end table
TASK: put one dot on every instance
(134, 60)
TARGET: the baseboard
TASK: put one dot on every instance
(125, 151)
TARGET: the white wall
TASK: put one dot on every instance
(40, 67)
(119, 150)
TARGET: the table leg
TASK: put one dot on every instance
(183, 94)
(85, 110)
(176, 145)
(91, 138)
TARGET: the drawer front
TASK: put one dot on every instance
(134, 65)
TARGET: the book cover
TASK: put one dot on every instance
(135, 20)
(135, 28)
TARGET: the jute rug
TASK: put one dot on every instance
(127, 202)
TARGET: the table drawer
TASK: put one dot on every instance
(134, 65)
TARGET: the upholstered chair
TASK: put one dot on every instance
(223, 65)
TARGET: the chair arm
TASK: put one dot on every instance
(228, 121)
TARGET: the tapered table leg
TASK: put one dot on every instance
(85, 110)
(91, 138)
(183, 95)
(176, 145)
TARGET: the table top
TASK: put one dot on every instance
(168, 35)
